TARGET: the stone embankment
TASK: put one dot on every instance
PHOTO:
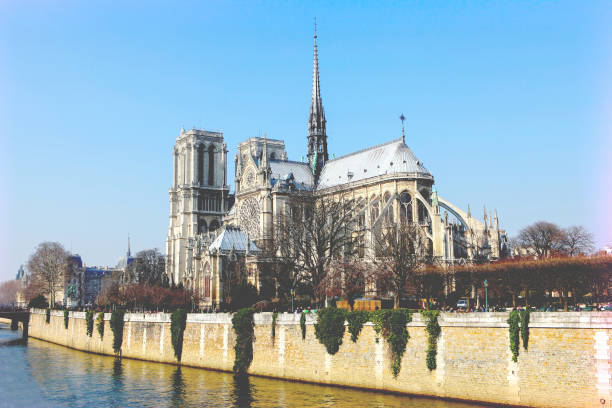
(567, 363)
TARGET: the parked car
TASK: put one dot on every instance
(461, 304)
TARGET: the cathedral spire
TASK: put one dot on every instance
(317, 137)
(129, 253)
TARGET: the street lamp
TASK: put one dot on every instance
(292, 294)
(486, 285)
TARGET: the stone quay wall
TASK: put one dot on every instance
(567, 363)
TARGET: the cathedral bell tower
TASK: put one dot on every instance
(317, 137)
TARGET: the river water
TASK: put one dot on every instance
(42, 374)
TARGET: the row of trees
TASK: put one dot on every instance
(545, 239)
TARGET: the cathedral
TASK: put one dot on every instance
(210, 229)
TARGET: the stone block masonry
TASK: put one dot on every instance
(567, 363)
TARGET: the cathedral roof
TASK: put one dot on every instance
(302, 173)
(393, 157)
(232, 238)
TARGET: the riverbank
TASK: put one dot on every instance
(567, 363)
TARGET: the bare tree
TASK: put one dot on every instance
(577, 240)
(310, 236)
(47, 266)
(8, 291)
(147, 267)
(541, 238)
(401, 251)
(349, 279)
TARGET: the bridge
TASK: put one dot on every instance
(22, 316)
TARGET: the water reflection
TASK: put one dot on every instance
(243, 392)
(44, 374)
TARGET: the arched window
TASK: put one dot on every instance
(200, 164)
(389, 211)
(374, 210)
(211, 165)
(405, 207)
(202, 227)
(272, 156)
(214, 224)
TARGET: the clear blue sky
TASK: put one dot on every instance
(507, 104)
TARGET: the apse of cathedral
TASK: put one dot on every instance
(211, 230)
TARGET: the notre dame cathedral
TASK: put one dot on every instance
(210, 228)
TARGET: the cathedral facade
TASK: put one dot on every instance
(389, 183)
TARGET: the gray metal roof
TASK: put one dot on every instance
(387, 158)
(232, 237)
(301, 171)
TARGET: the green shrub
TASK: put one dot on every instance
(525, 328)
(48, 316)
(513, 334)
(100, 324)
(398, 337)
(178, 322)
(329, 328)
(89, 321)
(273, 334)
(356, 319)
(66, 318)
(116, 324)
(303, 325)
(433, 329)
(243, 324)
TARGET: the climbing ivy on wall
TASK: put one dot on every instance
(178, 322)
(243, 324)
(525, 328)
(273, 334)
(329, 328)
(116, 324)
(356, 319)
(47, 316)
(398, 337)
(66, 318)
(303, 325)
(100, 324)
(89, 321)
(513, 333)
(433, 329)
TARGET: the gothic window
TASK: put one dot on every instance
(211, 165)
(207, 286)
(249, 217)
(389, 211)
(272, 156)
(214, 224)
(202, 227)
(374, 210)
(405, 207)
(200, 164)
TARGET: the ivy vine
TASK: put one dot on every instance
(66, 318)
(525, 328)
(90, 322)
(398, 337)
(273, 334)
(116, 324)
(47, 316)
(433, 329)
(513, 333)
(100, 324)
(329, 328)
(243, 324)
(356, 319)
(303, 325)
(178, 322)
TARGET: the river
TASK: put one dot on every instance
(42, 374)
